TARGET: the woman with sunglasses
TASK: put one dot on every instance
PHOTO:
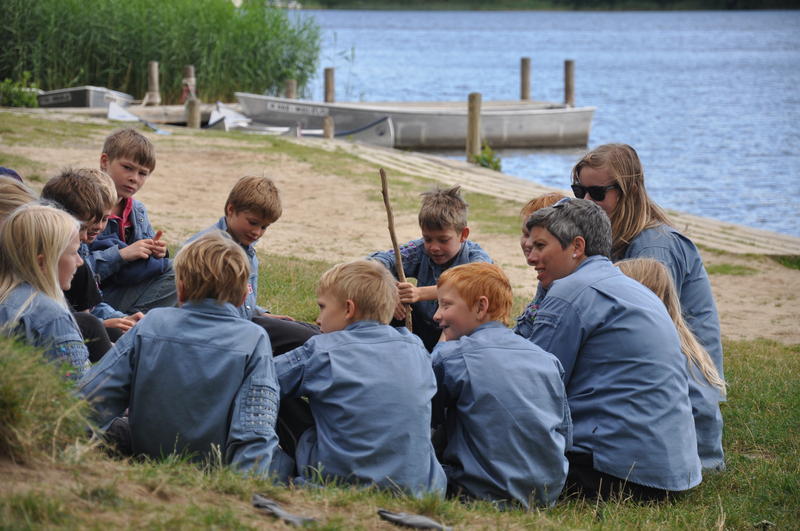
(612, 176)
(625, 376)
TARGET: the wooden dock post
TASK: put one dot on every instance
(291, 89)
(473, 126)
(569, 83)
(153, 96)
(193, 113)
(328, 127)
(525, 79)
(329, 85)
(188, 84)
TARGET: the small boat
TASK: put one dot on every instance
(86, 96)
(435, 125)
(378, 133)
(227, 119)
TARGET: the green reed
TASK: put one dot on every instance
(108, 43)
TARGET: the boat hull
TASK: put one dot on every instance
(435, 125)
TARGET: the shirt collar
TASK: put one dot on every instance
(487, 326)
(212, 306)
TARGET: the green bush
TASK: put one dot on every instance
(65, 43)
(18, 93)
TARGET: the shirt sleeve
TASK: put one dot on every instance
(290, 368)
(252, 444)
(65, 343)
(411, 254)
(557, 329)
(105, 262)
(107, 386)
(477, 254)
(105, 311)
(448, 384)
(666, 256)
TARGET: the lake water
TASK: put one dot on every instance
(710, 100)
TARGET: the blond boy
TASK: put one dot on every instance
(444, 244)
(369, 387)
(198, 376)
(501, 404)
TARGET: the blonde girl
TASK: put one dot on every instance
(612, 176)
(38, 257)
(706, 386)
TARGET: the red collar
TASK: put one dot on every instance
(124, 221)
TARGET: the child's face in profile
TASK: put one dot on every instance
(455, 317)
(245, 226)
(443, 245)
(90, 230)
(127, 175)
(333, 313)
(68, 262)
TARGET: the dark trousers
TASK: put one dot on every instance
(584, 481)
(286, 335)
(95, 335)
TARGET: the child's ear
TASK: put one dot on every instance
(464, 234)
(482, 307)
(350, 309)
(104, 162)
(40, 261)
(228, 210)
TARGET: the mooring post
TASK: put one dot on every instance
(192, 113)
(291, 88)
(153, 96)
(525, 79)
(569, 83)
(327, 127)
(329, 85)
(188, 84)
(473, 126)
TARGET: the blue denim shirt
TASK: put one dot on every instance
(193, 377)
(625, 376)
(683, 261)
(370, 388)
(417, 264)
(102, 310)
(108, 261)
(524, 324)
(508, 422)
(249, 309)
(47, 324)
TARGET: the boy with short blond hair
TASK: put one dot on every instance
(254, 204)
(444, 244)
(369, 387)
(501, 402)
(129, 257)
(198, 376)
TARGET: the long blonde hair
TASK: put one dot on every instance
(13, 194)
(654, 275)
(32, 231)
(635, 211)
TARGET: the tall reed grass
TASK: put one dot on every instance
(108, 43)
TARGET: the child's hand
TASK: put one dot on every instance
(135, 317)
(409, 293)
(123, 323)
(400, 311)
(160, 248)
(139, 250)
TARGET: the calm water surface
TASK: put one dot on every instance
(711, 100)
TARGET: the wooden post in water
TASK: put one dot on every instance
(525, 79)
(473, 126)
(569, 83)
(188, 84)
(291, 88)
(328, 127)
(153, 96)
(329, 85)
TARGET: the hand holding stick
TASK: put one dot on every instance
(401, 276)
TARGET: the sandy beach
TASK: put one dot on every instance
(329, 215)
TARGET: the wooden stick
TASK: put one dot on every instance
(401, 275)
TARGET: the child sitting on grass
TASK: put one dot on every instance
(89, 195)
(197, 376)
(253, 205)
(369, 387)
(501, 399)
(706, 387)
(129, 257)
(38, 257)
(444, 244)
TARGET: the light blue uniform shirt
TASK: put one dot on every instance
(683, 261)
(102, 310)
(47, 324)
(625, 376)
(249, 309)
(108, 261)
(417, 264)
(508, 423)
(370, 388)
(193, 377)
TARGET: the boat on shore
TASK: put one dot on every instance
(435, 125)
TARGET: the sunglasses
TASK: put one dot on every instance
(598, 193)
